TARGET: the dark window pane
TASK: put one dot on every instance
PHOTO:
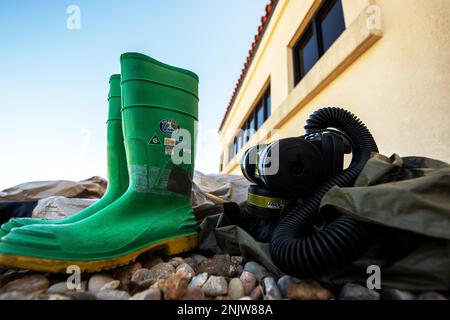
(323, 31)
(267, 104)
(308, 52)
(252, 126)
(249, 130)
(260, 115)
(239, 142)
(245, 134)
(332, 23)
(235, 149)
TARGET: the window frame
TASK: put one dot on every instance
(250, 125)
(314, 27)
(267, 106)
(299, 73)
(258, 109)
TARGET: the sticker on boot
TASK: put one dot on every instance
(169, 150)
(155, 140)
(170, 142)
(168, 126)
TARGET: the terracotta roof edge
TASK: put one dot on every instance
(265, 20)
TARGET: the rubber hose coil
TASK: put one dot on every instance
(295, 247)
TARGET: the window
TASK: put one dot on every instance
(267, 104)
(260, 116)
(245, 133)
(232, 150)
(239, 142)
(255, 120)
(252, 124)
(325, 27)
(331, 23)
(308, 52)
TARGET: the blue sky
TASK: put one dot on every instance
(54, 80)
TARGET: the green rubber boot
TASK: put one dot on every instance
(117, 166)
(159, 112)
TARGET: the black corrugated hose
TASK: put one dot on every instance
(293, 248)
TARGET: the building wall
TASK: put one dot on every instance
(397, 79)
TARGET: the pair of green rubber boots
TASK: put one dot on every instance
(151, 128)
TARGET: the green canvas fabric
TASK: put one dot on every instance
(219, 236)
(409, 200)
(411, 193)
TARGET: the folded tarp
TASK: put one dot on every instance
(57, 207)
(59, 199)
(92, 188)
(410, 199)
(20, 201)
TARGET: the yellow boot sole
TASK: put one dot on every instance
(167, 247)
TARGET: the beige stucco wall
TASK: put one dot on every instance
(397, 81)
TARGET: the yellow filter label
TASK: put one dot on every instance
(266, 202)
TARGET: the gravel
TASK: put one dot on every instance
(189, 277)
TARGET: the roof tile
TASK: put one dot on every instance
(270, 7)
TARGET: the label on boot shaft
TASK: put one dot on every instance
(161, 181)
(170, 142)
(151, 179)
(168, 126)
(168, 150)
(155, 140)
